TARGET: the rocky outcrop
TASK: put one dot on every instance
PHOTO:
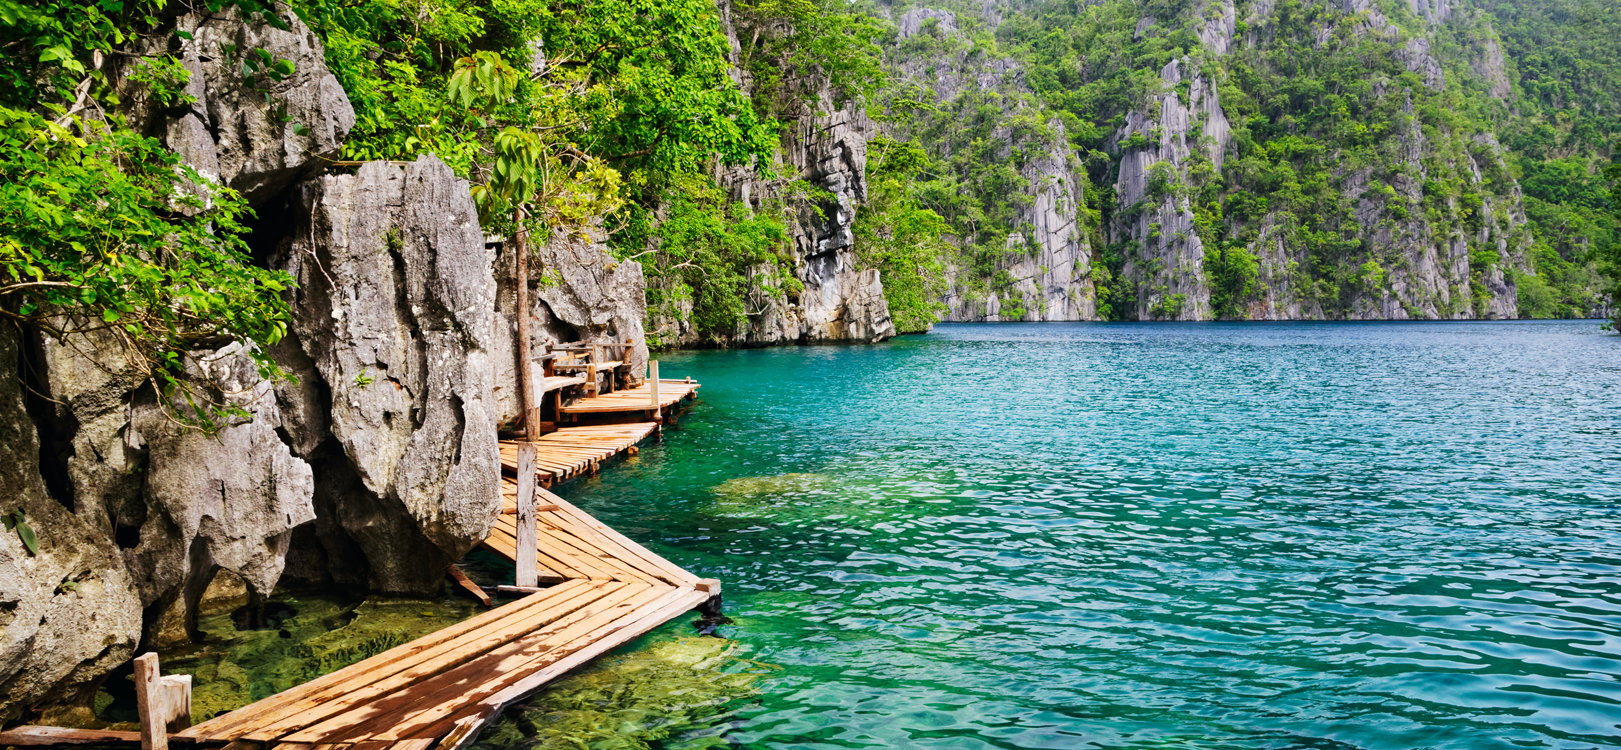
(577, 292)
(378, 465)
(824, 146)
(258, 134)
(70, 613)
(395, 310)
(1166, 256)
(1043, 275)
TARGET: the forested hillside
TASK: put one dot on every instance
(1199, 159)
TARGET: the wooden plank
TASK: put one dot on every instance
(230, 726)
(642, 553)
(467, 583)
(422, 744)
(449, 657)
(616, 569)
(28, 736)
(436, 711)
(381, 719)
(684, 602)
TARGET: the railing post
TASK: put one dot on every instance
(162, 703)
(653, 380)
(527, 574)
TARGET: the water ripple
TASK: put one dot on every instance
(1190, 536)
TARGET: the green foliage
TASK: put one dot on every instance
(15, 522)
(1609, 254)
(788, 45)
(106, 231)
(714, 256)
(896, 234)
(103, 230)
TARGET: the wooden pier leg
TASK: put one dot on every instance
(710, 616)
(526, 542)
(591, 379)
(162, 703)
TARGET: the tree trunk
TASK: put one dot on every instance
(526, 385)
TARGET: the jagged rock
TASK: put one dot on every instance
(577, 292)
(912, 22)
(394, 309)
(257, 135)
(1050, 259)
(70, 613)
(826, 146)
(223, 501)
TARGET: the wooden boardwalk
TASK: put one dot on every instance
(437, 691)
(640, 398)
(440, 690)
(571, 451)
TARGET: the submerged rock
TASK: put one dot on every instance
(675, 690)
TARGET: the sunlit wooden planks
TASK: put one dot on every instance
(633, 399)
(571, 451)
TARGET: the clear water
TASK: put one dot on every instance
(1156, 536)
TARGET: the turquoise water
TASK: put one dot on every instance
(1156, 536)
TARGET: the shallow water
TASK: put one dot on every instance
(1144, 536)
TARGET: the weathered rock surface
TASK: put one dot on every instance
(395, 311)
(227, 501)
(70, 613)
(1049, 260)
(825, 146)
(577, 292)
(259, 134)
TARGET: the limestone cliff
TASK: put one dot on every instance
(823, 147)
(376, 466)
(1042, 270)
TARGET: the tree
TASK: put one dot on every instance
(104, 230)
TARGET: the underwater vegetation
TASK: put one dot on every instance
(678, 691)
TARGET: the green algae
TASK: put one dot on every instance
(676, 691)
(742, 489)
(316, 632)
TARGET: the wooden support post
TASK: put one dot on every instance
(591, 379)
(467, 583)
(526, 542)
(528, 405)
(653, 383)
(162, 703)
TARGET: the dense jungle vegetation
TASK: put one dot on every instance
(612, 116)
(1310, 98)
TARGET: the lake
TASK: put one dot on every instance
(1297, 535)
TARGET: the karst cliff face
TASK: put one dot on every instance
(376, 466)
(1208, 199)
(824, 146)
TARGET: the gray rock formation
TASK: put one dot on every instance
(256, 135)
(1045, 273)
(577, 292)
(825, 146)
(70, 613)
(395, 310)
(1166, 257)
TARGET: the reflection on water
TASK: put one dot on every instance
(1191, 536)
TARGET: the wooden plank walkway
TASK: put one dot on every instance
(571, 451)
(639, 398)
(439, 689)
